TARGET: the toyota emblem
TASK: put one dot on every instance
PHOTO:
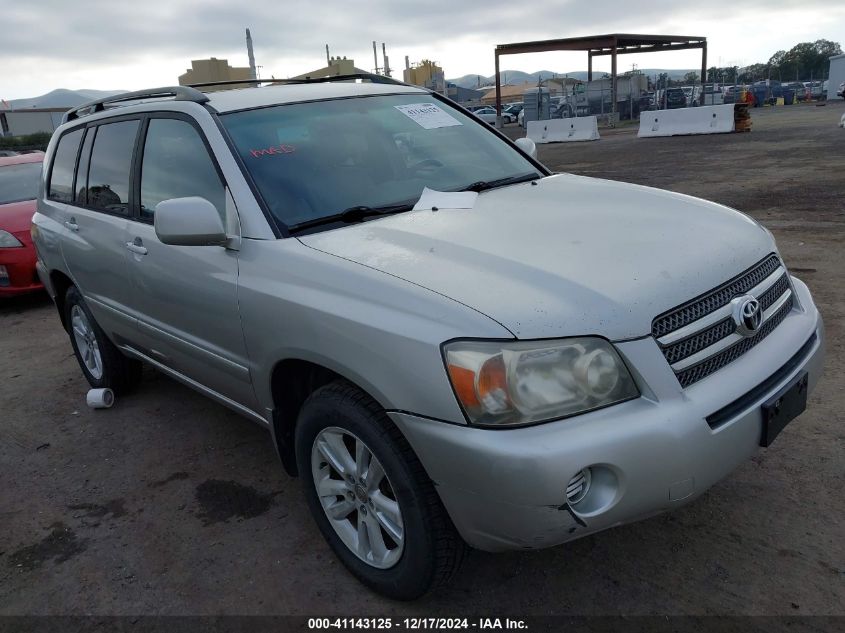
(747, 315)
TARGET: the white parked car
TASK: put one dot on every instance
(489, 115)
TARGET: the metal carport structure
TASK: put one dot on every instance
(599, 45)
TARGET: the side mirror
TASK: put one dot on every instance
(527, 146)
(190, 221)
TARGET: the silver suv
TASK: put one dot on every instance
(448, 344)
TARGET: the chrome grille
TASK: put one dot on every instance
(701, 336)
(697, 372)
(774, 292)
(721, 296)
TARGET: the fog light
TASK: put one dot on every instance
(4, 276)
(578, 486)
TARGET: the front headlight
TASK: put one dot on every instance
(7, 240)
(502, 383)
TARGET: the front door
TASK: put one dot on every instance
(186, 297)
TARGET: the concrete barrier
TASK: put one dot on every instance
(702, 120)
(584, 128)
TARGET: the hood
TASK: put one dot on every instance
(568, 256)
(16, 217)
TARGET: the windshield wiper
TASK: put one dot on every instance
(352, 214)
(484, 185)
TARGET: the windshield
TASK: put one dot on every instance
(313, 160)
(19, 182)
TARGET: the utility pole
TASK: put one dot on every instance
(375, 57)
(253, 74)
(386, 60)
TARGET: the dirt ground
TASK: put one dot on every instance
(171, 504)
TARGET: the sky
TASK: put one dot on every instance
(117, 44)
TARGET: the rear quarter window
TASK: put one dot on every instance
(60, 187)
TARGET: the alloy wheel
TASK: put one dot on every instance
(86, 342)
(357, 497)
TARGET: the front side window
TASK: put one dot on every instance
(177, 165)
(111, 161)
(19, 182)
(61, 177)
(314, 160)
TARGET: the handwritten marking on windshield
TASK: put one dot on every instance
(273, 150)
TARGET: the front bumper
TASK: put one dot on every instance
(506, 489)
(19, 263)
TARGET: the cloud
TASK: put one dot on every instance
(46, 41)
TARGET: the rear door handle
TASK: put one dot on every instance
(137, 247)
(72, 225)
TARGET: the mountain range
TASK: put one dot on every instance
(64, 98)
(516, 77)
(61, 98)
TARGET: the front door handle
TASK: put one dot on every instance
(72, 225)
(137, 247)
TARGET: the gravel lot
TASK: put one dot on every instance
(171, 504)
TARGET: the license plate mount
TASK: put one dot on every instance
(783, 407)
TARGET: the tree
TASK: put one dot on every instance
(754, 72)
(803, 61)
(780, 65)
(691, 78)
(827, 48)
(723, 75)
(39, 140)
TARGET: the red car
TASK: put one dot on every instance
(19, 178)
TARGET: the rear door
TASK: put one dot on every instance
(97, 207)
(186, 297)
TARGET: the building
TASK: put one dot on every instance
(561, 86)
(206, 70)
(463, 95)
(510, 94)
(556, 86)
(336, 67)
(30, 121)
(836, 76)
(426, 74)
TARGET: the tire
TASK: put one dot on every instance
(102, 363)
(428, 549)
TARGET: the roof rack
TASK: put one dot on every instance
(190, 92)
(179, 93)
(376, 79)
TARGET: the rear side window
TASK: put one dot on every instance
(177, 165)
(108, 172)
(64, 162)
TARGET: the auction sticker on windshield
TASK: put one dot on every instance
(428, 115)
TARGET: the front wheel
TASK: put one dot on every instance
(371, 497)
